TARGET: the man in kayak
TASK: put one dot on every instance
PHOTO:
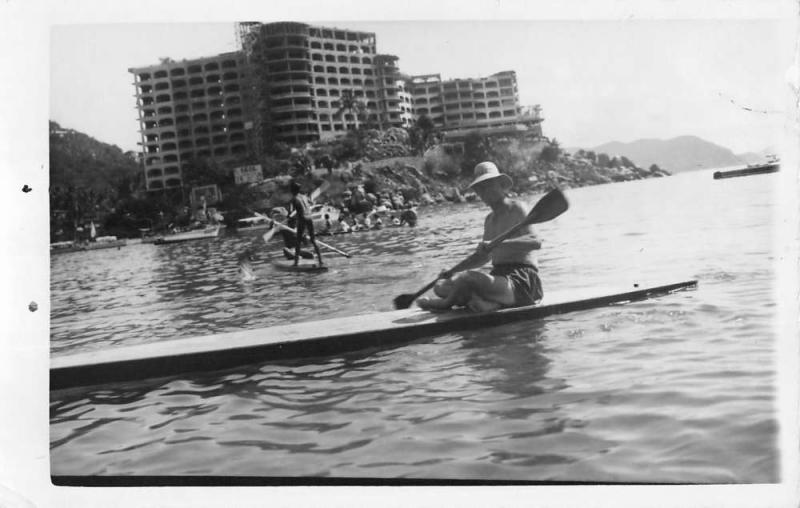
(514, 278)
(300, 210)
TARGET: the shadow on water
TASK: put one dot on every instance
(513, 351)
(514, 355)
(683, 386)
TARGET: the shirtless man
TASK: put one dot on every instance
(514, 279)
(300, 209)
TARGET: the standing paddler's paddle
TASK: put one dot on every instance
(269, 234)
(314, 195)
(552, 204)
(277, 225)
(272, 230)
(319, 190)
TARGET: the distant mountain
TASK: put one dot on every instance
(757, 157)
(79, 160)
(684, 153)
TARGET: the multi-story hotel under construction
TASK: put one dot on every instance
(189, 110)
(298, 83)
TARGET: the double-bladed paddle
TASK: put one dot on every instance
(550, 206)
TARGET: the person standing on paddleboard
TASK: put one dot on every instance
(514, 278)
(300, 209)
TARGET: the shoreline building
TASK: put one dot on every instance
(189, 110)
(297, 83)
(313, 82)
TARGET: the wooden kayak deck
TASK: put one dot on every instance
(313, 339)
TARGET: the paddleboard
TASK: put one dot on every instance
(318, 338)
(289, 254)
(289, 267)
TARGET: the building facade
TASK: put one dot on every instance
(318, 82)
(190, 110)
(297, 83)
(471, 103)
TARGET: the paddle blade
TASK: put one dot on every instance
(319, 190)
(550, 206)
(404, 301)
(269, 234)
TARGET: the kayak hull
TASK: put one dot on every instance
(313, 339)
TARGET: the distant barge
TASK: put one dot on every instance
(755, 169)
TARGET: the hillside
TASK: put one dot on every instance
(684, 153)
(756, 157)
(91, 181)
(79, 160)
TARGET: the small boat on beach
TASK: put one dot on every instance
(318, 213)
(101, 242)
(195, 234)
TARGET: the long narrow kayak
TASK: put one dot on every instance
(315, 338)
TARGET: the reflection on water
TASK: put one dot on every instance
(677, 389)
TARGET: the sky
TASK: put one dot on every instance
(596, 80)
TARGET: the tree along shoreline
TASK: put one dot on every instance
(395, 168)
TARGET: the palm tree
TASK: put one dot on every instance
(421, 134)
(350, 103)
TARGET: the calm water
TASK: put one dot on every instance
(675, 389)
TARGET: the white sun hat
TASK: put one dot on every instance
(488, 170)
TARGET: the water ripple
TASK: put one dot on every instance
(675, 389)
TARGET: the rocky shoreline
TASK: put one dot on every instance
(437, 177)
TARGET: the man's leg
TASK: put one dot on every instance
(312, 237)
(298, 243)
(445, 291)
(481, 290)
(486, 292)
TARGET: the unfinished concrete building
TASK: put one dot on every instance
(426, 96)
(319, 82)
(296, 83)
(190, 110)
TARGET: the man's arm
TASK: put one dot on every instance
(528, 241)
(480, 257)
(296, 208)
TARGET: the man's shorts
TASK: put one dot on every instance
(524, 281)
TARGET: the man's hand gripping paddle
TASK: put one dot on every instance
(550, 206)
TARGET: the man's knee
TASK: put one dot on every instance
(444, 288)
(474, 279)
